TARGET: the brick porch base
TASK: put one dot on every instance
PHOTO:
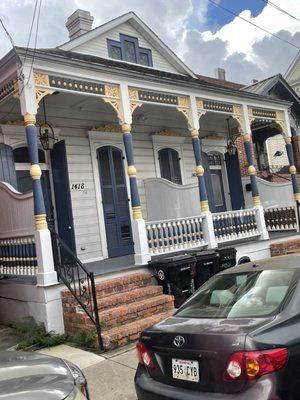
(126, 305)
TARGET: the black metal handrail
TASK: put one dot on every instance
(78, 279)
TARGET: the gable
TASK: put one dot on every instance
(292, 76)
(98, 46)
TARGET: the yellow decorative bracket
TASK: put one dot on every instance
(42, 84)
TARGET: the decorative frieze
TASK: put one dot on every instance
(157, 97)
(76, 85)
(217, 106)
(261, 112)
(108, 128)
(8, 88)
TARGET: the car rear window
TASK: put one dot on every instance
(240, 295)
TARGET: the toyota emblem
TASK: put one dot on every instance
(179, 341)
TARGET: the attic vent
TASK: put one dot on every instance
(79, 23)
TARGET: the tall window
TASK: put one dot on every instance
(128, 49)
(169, 163)
(22, 165)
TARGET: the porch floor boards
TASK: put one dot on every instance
(111, 265)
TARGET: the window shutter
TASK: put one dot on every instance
(7, 165)
(170, 165)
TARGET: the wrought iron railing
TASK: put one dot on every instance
(281, 219)
(18, 256)
(176, 234)
(235, 225)
(78, 279)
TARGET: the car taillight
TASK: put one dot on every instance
(144, 356)
(253, 364)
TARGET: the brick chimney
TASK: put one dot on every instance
(79, 23)
(221, 74)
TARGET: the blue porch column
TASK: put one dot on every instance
(292, 168)
(35, 172)
(135, 197)
(204, 206)
(251, 169)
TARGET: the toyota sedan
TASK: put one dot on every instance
(236, 338)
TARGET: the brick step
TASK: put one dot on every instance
(131, 296)
(122, 335)
(124, 314)
(123, 284)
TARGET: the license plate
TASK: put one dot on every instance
(186, 370)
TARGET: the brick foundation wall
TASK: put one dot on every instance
(287, 247)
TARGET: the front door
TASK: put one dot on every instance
(218, 189)
(115, 201)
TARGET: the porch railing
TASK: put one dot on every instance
(281, 219)
(175, 234)
(18, 256)
(235, 225)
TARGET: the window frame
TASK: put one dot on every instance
(170, 150)
(137, 50)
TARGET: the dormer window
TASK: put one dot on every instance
(128, 49)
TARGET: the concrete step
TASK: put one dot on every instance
(122, 335)
(127, 313)
(131, 296)
(123, 284)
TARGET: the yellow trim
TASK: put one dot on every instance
(29, 119)
(297, 196)
(292, 169)
(247, 137)
(137, 212)
(126, 128)
(288, 139)
(35, 172)
(204, 205)
(199, 170)
(251, 170)
(256, 201)
(194, 133)
(40, 222)
(131, 170)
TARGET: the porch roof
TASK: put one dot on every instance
(125, 69)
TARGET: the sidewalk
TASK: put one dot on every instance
(110, 376)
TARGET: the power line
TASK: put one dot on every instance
(7, 33)
(31, 28)
(280, 9)
(253, 24)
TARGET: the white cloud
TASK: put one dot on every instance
(243, 50)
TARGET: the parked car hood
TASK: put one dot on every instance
(33, 376)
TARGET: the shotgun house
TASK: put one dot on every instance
(111, 143)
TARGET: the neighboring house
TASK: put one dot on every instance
(269, 145)
(137, 159)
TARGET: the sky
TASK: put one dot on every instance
(204, 36)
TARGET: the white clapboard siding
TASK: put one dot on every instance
(86, 224)
(98, 46)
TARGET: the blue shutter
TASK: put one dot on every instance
(234, 181)
(7, 165)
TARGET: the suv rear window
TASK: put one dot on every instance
(243, 295)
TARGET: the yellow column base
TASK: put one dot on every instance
(204, 205)
(297, 197)
(256, 201)
(137, 212)
(40, 222)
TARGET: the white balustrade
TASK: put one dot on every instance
(235, 225)
(175, 234)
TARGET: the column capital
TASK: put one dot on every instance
(287, 139)
(29, 119)
(247, 137)
(126, 128)
(194, 132)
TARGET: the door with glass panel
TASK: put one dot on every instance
(215, 166)
(115, 201)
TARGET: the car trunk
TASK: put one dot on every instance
(208, 341)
